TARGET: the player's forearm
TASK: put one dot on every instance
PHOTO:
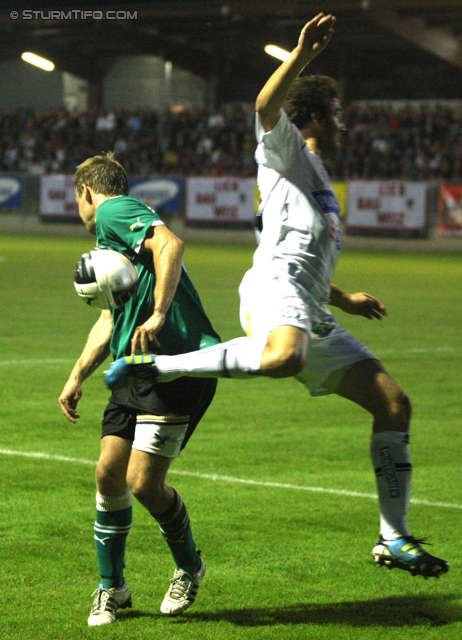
(96, 349)
(338, 297)
(272, 97)
(89, 361)
(168, 262)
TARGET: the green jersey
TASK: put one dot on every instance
(122, 224)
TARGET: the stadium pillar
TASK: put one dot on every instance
(211, 94)
(95, 93)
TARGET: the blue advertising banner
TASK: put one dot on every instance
(10, 191)
(165, 195)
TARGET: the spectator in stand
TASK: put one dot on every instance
(420, 142)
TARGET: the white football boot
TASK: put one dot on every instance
(105, 605)
(182, 591)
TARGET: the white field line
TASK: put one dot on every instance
(218, 478)
(433, 350)
(421, 350)
(10, 363)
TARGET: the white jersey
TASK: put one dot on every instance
(301, 233)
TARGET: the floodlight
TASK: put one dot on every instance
(277, 52)
(37, 61)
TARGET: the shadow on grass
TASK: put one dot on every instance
(128, 614)
(396, 611)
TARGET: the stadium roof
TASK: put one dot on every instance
(382, 49)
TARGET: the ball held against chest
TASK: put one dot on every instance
(105, 279)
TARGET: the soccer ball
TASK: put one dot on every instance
(105, 278)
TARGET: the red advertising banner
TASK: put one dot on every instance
(450, 210)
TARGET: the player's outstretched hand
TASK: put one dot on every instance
(362, 304)
(316, 34)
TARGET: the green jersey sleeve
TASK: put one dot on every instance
(123, 222)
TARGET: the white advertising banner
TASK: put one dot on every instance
(385, 206)
(221, 200)
(57, 197)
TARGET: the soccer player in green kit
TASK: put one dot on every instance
(145, 427)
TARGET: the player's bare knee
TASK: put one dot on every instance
(406, 406)
(144, 492)
(399, 405)
(109, 480)
(282, 363)
(139, 491)
(293, 365)
(146, 488)
(103, 474)
(395, 414)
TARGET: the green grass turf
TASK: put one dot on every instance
(284, 562)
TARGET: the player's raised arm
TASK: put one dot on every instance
(95, 352)
(313, 39)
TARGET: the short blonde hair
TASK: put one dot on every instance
(103, 174)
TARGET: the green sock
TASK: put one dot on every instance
(175, 527)
(112, 526)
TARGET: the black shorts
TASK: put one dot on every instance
(183, 396)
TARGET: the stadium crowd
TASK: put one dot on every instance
(412, 143)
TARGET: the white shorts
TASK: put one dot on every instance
(274, 304)
(271, 303)
(329, 358)
(161, 435)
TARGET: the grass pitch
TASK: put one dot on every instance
(279, 485)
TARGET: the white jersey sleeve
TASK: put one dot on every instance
(282, 149)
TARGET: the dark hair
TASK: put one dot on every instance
(103, 174)
(309, 96)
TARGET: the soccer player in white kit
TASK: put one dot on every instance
(284, 296)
